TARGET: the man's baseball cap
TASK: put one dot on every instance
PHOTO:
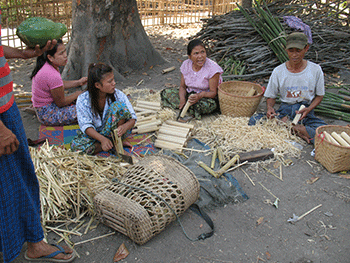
(296, 40)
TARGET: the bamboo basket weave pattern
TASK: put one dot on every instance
(333, 157)
(233, 100)
(141, 215)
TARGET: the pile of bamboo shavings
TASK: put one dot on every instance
(234, 135)
(69, 181)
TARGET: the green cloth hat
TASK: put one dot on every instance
(296, 40)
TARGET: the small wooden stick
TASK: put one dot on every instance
(273, 174)
(95, 238)
(168, 69)
(308, 212)
(268, 191)
(239, 165)
(248, 177)
(281, 171)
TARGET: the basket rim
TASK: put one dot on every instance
(319, 135)
(239, 96)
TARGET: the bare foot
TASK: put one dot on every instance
(285, 119)
(127, 144)
(300, 130)
(42, 249)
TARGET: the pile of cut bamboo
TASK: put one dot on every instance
(147, 116)
(69, 181)
(173, 135)
(342, 139)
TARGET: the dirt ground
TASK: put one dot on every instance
(253, 231)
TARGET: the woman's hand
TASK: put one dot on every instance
(106, 144)
(194, 98)
(8, 141)
(122, 129)
(82, 81)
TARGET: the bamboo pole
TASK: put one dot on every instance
(185, 109)
(340, 139)
(298, 116)
(167, 145)
(179, 124)
(228, 165)
(345, 136)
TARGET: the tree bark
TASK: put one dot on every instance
(109, 32)
(246, 3)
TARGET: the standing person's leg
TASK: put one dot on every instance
(19, 196)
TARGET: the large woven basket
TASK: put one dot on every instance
(333, 157)
(233, 98)
(141, 215)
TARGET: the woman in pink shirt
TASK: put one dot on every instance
(51, 104)
(200, 78)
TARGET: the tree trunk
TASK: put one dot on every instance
(109, 32)
(246, 3)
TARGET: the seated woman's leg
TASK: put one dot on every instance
(170, 98)
(84, 143)
(202, 107)
(52, 115)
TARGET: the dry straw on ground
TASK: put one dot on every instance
(69, 181)
(234, 135)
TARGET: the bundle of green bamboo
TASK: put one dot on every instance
(335, 106)
(270, 29)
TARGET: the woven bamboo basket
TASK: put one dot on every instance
(141, 215)
(233, 98)
(333, 157)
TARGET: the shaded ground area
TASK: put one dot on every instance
(253, 231)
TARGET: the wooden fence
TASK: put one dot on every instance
(152, 12)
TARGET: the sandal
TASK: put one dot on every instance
(49, 258)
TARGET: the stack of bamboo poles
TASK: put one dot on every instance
(173, 135)
(23, 100)
(147, 113)
(342, 139)
(335, 106)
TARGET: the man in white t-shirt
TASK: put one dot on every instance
(298, 82)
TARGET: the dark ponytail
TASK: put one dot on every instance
(96, 73)
(41, 60)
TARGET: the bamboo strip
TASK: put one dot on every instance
(180, 124)
(248, 177)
